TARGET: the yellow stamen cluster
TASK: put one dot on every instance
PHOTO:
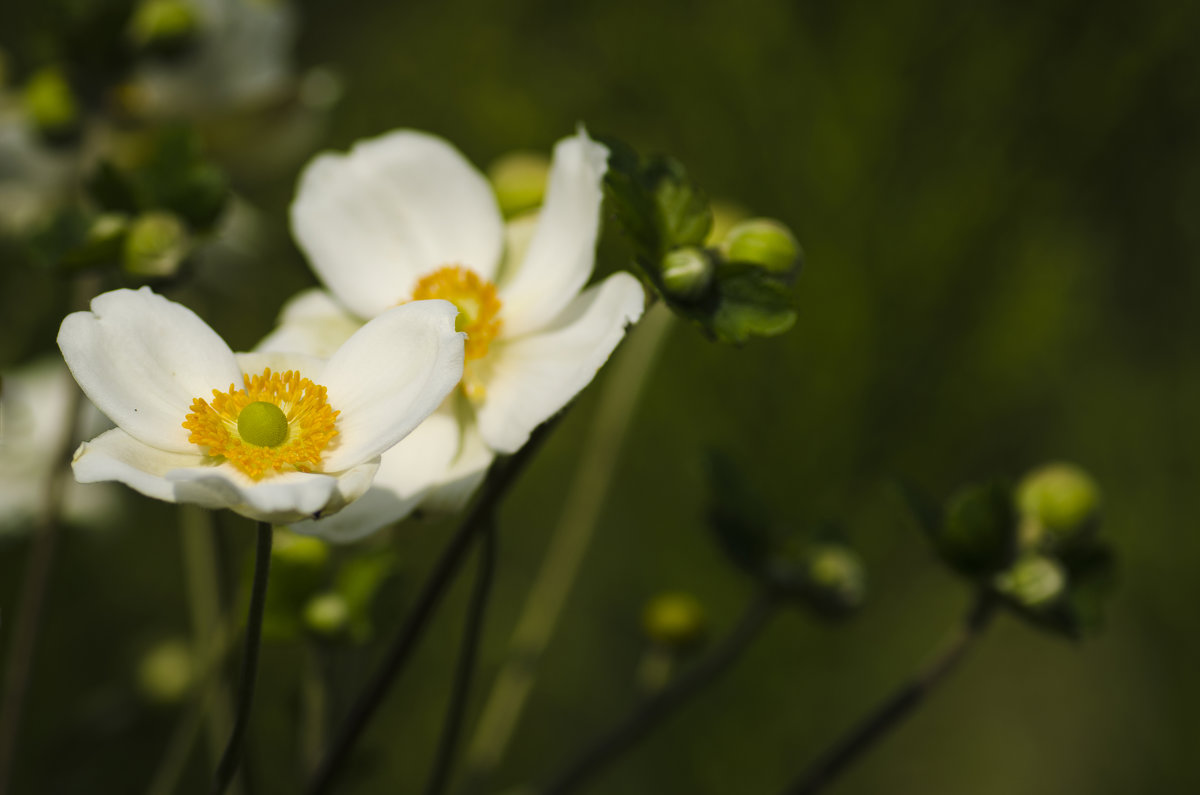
(310, 424)
(478, 306)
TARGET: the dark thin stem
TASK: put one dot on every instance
(889, 714)
(503, 472)
(455, 711)
(639, 722)
(245, 697)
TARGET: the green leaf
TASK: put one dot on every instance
(749, 303)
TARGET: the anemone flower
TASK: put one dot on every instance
(276, 438)
(404, 217)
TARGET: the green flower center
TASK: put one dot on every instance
(262, 424)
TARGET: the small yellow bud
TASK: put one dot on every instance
(166, 672)
(1058, 503)
(51, 104)
(1034, 581)
(156, 245)
(764, 242)
(674, 619)
(519, 180)
(327, 614)
(836, 577)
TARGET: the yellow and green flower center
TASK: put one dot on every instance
(278, 422)
(478, 313)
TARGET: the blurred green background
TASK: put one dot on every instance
(1000, 208)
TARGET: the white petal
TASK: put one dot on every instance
(115, 455)
(563, 250)
(142, 359)
(530, 378)
(436, 468)
(277, 499)
(390, 376)
(311, 322)
(393, 209)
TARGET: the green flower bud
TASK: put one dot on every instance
(327, 614)
(51, 104)
(1034, 582)
(836, 580)
(979, 533)
(674, 619)
(293, 549)
(1059, 503)
(519, 180)
(164, 27)
(166, 672)
(687, 273)
(156, 245)
(764, 242)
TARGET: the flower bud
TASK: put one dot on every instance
(1034, 581)
(327, 614)
(519, 180)
(51, 105)
(163, 27)
(764, 242)
(293, 549)
(687, 273)
(674, 620)
(1059, 503)
(155, 245)
(836, 581)
(166, 672)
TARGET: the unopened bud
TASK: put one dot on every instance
(51, 104)
(1058, 503)
(687, 273)
(327, 614)
(763, 242)
(1034, 581)
(519, 180)
(165, 672)
(156, 245)
(836, 579)
(674, 619)
(163, 27)
(293, 549)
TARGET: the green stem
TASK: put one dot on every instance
(900, 704)
(645, 717)
(552, 586)
(371, 697)
(440, 774)
(254, 618)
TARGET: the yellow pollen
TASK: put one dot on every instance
(310, 424)
(478, 306)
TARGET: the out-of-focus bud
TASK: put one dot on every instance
(327, 614)
(1059, 503)
(166, 672)
(674, 620)
(519, 180)
(763, 242)
(836, 580)
(51, 105)
(293, 549)
(155, 245)
(979, 533)
(1034, 582)
(165, 28)
(687, 272)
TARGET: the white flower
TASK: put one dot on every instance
(404, 217)
(36, 417)
(276, 438)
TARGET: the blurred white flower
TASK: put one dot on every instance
(37, 414)
(300, 438)
(405, 217)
